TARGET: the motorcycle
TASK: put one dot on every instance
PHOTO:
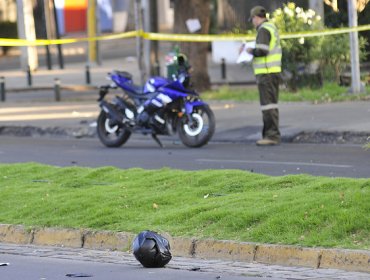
(161, 107)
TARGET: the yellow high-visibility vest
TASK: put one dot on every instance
(272, 62)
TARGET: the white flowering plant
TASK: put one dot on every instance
(332, 53)
(301, 51)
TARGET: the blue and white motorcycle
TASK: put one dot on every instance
(160, 107)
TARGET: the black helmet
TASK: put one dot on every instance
(181, 59)
(151, 249)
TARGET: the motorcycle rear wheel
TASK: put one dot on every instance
(111, 135)
(197, 133)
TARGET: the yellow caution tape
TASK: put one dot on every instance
(178, 37)
(23, 42)
(196, 37)
(245, 37)
(324, 32)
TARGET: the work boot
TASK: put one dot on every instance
(267, 142)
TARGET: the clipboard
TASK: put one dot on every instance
(244, 56)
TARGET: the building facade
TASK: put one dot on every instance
(114, 15)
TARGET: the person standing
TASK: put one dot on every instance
(267, 67)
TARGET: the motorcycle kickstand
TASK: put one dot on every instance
(154, 136)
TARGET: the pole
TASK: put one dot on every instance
(57, 34)
(354, 47)
(29, 76)
(2, 89)
(47, 32)
(26, 30)
(147, 44)
(57, 89)
(48, 57)
(150, 21)
(139, 40)
(87, 74)
(92, 27)
(223, 69)
(154, 59)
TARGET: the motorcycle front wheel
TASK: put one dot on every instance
(198, 130)
(110, 134)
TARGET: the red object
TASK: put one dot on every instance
(75, 15)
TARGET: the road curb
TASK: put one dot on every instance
(345, 259)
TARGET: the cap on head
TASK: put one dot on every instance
(257, 11)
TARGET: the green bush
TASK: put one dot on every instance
(335, 55)
(328, 55)
(8, 29)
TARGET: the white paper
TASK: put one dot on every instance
(193, 25)
(244, 56)
(225, 50)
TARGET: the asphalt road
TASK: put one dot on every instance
(37, 262)
(315, 159)
(34, 267)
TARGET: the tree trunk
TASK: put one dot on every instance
(196, 52)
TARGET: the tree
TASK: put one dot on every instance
(354, 6)
(196, 52)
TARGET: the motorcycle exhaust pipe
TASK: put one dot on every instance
(112, 112)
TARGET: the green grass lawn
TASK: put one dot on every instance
(330, 92)
(220, 204)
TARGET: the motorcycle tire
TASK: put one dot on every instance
(111, 136)
(200, 131)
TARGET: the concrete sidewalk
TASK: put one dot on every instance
(231, 251)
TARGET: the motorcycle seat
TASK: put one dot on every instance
(124, 74)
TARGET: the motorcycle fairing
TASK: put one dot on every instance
(189, 105)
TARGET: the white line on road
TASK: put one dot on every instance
(49, 107)
(275, 162)
(48, 116)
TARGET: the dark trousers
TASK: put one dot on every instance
(268, 87)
